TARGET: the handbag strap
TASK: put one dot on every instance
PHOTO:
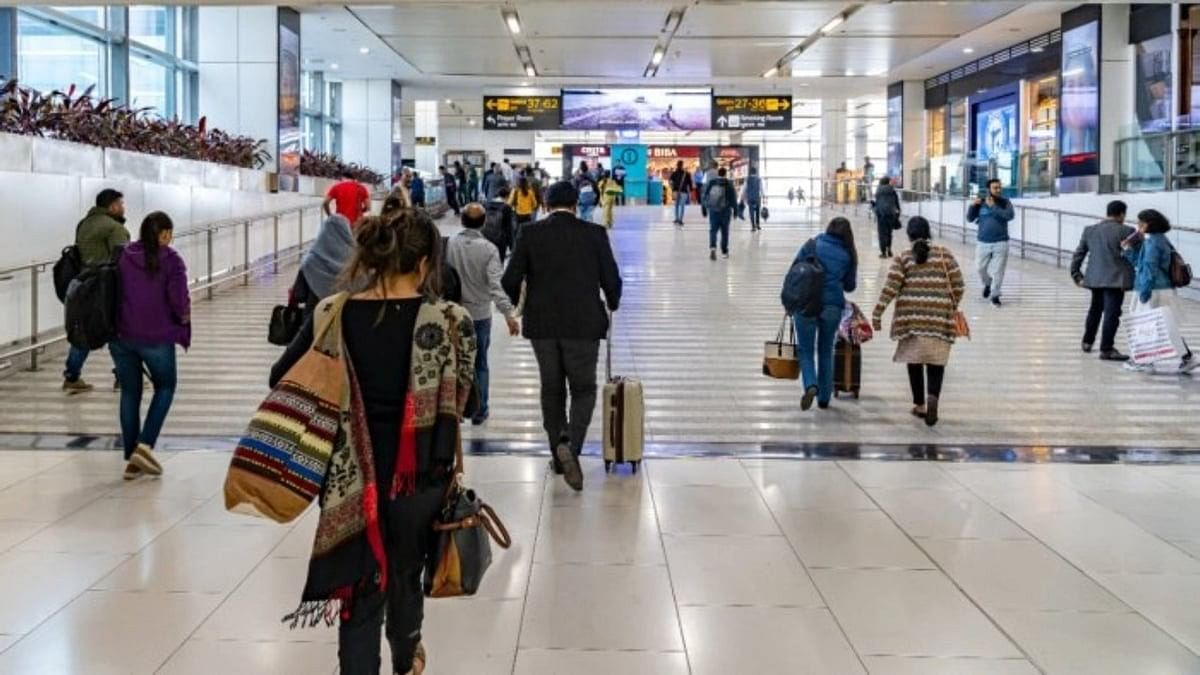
(946, 274)
(487, 519)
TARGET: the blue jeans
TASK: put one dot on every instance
(755, 207)
(483, 337)
(159, 360)
(681, 202)
(76, 357)
(585, 212)
(815, 337)
(718, 221)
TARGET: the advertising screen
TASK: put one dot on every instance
(895, 139)
(1154, 84)
(644, 109)
(290, 135)
(1079, 117)
(996, 132)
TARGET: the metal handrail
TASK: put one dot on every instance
(38, 343)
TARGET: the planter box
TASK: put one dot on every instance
(182, 171)
(123, 165)
(253, 180)
(71, 159)
(16, 153)
(220, 176)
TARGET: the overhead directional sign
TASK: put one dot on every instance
(521, 113)
(752, 112)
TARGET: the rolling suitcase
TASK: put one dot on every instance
(624, 418)
(847, 368)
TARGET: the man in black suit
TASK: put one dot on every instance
(565, 264)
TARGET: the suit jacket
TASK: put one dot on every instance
(1100, 245)
(566, 263)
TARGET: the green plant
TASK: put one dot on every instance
(325, 165)
(84, 119)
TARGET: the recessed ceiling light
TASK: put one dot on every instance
(877, 73)
(1036, 50)
(658, 56)
(772, 72)
(364, 50)
(471, 122)
(333, 66)
(968, 50)
(514, 23)
(833, 23)
(524, 84)
(530, 71)
(849, 73)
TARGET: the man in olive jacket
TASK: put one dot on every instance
(1108, 276)
(98, 236)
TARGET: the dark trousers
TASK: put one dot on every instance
(567, 366)
(916, 380)
(483, 340)
(755, 213)
(158, 360)
(408, 523)
(718, 223)
(884, 226)
(1106, 303)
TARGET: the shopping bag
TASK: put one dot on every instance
(855, 327)
(780, 360)
(1154, 336)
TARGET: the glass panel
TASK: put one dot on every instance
(50, 57)
(93, 14)
(311, 129)
(334, 108)
(148, 82)
(333, 139)
(148, 26)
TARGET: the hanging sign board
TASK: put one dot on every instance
(521, 113)
(752, 112)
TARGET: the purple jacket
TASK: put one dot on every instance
(155, 308)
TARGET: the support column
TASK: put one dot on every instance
(426, 153)
(367, 123)
(833, 136)
(8, 42)
(1117, 79)
(914, 134)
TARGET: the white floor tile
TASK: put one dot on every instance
(571, 662)
(481, 470)
(599, 535)
(1106, 543)
(471, 635)
(600, 489)
(254, 611)
(46, 499)
(738, 571)
(198, 657)
(905, 665)
(818, 486)
(36, 584)
(13, 532)
(699, 472)
(613, 607)
(1097, 644)
(909, 613)
(945, 514)
(111, 525)
(712, 510)
(1166, 600)
(797, 641)
(898, 475)
(850, 539)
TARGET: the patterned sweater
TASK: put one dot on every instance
(926, 295)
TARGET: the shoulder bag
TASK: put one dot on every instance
(962, 329)
(779, 357)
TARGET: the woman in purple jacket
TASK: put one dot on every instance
(155, 315)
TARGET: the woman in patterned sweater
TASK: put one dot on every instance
(927, 285)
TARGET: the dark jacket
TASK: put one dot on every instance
(155, 308)
(841, 272)
(417, 190)
(992, 220)
(681, 180)
(99, 235)
(731, 197)
(1100, 245)
(566, 262)
(887, 204)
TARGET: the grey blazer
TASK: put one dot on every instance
(1100, 245)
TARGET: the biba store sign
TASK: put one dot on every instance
(674, 152)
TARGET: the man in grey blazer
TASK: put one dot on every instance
(1108, 276)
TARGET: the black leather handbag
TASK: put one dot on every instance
(286, 321)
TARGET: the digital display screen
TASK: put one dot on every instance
(996, 132)
(642, 109)
(895, 139)
(1079, 117)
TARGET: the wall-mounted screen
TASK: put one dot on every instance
(895, 139)
(1079, 112)
(644, 109)
(996, 132)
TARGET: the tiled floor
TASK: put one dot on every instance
(693, 330)
(694, 566)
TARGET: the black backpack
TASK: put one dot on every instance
(804, 285)
(68, 267)
(91, 306)
(718, 198)
(493, 223)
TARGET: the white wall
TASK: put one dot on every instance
(49, 186)
(367, 123)
(473, 138)
(239, 71)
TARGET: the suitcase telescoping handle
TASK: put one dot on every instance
(608, 350)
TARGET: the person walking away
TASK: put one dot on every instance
(408, 359)
(349, 198)
(752, 196)
(416, 190)
(535, 183)
(718, 198)
(323, 263)
(98, 237)
(487, 181)
(460, 183)
(709, 175)
(472, 183)
(681, 187)
(589, 192)
(1149, 251)
(500, 223)
(927, 285)
(816, 335)
(618, 175)
(524, 201)
(1108, 276)
(887, 215)
(791, 196)
(478, 264)
(507, 170)
(499, 182)
(154, 315)
(565, 264)
(448, 181)
(992, 214)
(610, 191)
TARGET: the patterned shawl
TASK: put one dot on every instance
(349, 552)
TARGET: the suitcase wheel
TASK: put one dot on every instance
(607, 466)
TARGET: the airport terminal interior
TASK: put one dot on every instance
(898, 382)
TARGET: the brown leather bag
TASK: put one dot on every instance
(779, 358)
(962, 329)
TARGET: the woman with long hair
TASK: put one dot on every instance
(1149, 251)
(816, 335)
(154, 315)
(525, 201)
(409, 360)
(927, 285)
(323, 263)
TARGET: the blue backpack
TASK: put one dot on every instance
(804, 285)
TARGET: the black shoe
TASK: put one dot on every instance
(479, 419)
(1086, 347)
(556, 468)
(572, 472)
(931, 410)
(1113, 355)
(987, 291)
(824, 405)
(712, 254)
(883, 256)
(996, 301)
(810, 395)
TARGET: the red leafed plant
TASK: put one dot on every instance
(325, 165)
(83, 118)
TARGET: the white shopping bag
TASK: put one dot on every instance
(1154, 336)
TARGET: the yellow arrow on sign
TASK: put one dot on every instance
(784, 103)
(491, 104)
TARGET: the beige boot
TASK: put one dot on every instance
(144, 458)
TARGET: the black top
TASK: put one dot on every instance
(566, 263)
(681, 180)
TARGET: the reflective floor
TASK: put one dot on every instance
(695, 566)
(693, 331)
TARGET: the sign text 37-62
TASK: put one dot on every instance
(521, 113)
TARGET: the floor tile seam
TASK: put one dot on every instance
(751, 605)
(807, 571)
(1079, 568)
(662, 546)
(962, 591)
(537, 535)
